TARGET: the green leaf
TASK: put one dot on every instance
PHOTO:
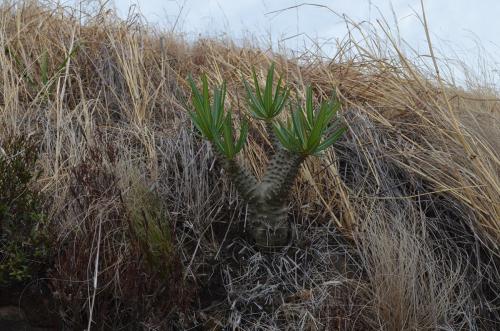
(297, 119)
(331, 139)
(320, 122)
(256, 107)
(270, 104)
(219, 144)
(309, 106)
(268, 92)
(281, 101)
(306, 129)
(243, 136)
(227, 130)
(282, 135)
(211, 120)
(277, 97)
(206, 94)
(218, 106)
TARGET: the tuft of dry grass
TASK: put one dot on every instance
(415, 285)
(397, 226)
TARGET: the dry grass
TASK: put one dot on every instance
(398, 225)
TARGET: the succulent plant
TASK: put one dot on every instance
(307, 132)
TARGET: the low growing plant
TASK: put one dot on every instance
(308, 131)
(122, 249)
(150, 227)
(22, 235)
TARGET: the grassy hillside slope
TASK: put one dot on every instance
(398, 225)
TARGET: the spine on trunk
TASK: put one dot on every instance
(280, 175)
(275, 143)
(242, 179)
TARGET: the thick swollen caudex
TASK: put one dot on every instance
(269, 225)
(267, 200)
(270, 218)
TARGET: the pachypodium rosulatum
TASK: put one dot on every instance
(308, 131)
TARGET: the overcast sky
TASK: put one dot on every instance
(458, 25)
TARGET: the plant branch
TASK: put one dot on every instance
(240, 176)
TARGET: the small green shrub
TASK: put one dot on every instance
(125, 237)
(22, 235)
(150, 226)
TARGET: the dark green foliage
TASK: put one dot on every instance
(209, 119)
(22, 235)
(268, 106)
(150, 227)
(310, 132)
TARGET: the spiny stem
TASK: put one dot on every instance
(241, 177)
(275, 143)
(280, 176)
